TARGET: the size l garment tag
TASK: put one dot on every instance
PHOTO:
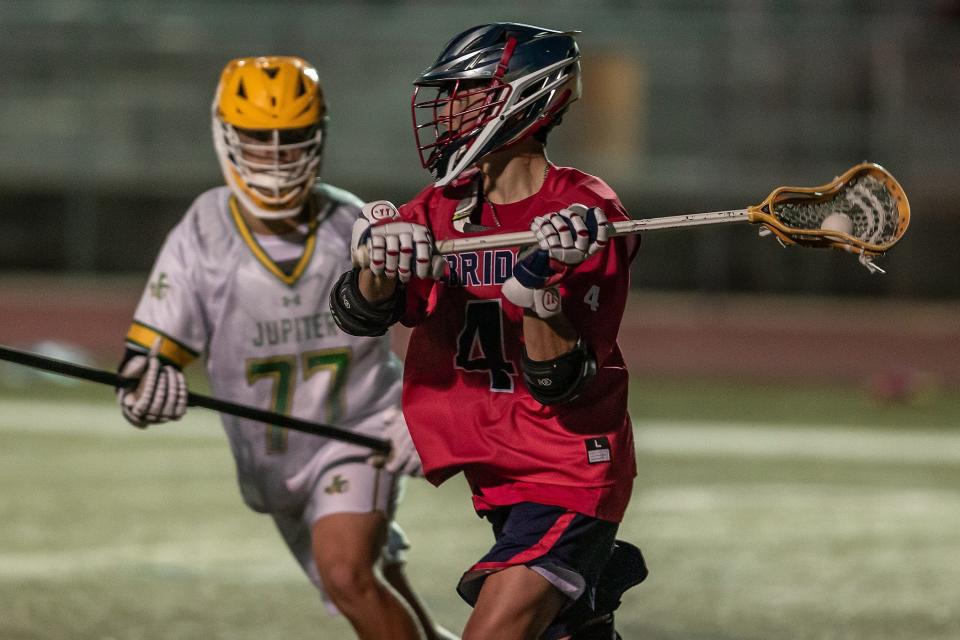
(598, 450)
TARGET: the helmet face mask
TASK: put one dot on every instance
(276, 166)
(493, 86)
(455, 114)
(269, 121)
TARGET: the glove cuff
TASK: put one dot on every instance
(545, 302)
(516, 293)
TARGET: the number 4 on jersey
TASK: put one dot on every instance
(593, 297)
(480, 344)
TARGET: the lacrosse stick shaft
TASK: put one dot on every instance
(109, 378)
(621, 228)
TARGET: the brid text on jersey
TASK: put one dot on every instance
(479, 268)
(296, 329)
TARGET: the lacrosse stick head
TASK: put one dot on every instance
(867, 201)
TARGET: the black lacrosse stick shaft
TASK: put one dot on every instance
(64, 368)
(109, 378)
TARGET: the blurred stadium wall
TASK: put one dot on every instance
(688, 106)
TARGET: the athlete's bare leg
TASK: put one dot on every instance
(514, 604)
(346, 547)
(397, 578)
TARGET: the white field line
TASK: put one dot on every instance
(32, 416)
(796, 512)
(230, 560)
(653, 437)
(860, 504)
(798, 442)
(236, 561)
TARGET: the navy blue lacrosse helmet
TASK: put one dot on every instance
(492, 86)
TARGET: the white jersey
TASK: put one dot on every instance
(267, 335)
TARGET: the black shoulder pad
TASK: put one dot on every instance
(354, 315)
(562, 378)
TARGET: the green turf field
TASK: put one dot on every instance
(764, 515)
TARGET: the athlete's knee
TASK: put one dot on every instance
(500, 624)
(481, 630)
(346, 581)
(503, 629)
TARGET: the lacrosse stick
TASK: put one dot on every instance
(90, 374)
(864, 211)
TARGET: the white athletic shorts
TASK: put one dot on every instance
(340, 480)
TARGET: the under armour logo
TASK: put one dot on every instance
(158, 288)
(292, 300)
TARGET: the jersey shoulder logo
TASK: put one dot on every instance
(158, 287)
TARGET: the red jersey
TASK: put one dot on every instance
(463, 395)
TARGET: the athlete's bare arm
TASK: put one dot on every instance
(548, 338)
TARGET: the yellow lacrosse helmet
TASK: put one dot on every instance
(269, 119)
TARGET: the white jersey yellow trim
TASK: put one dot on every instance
(265, 259)
(144, 336)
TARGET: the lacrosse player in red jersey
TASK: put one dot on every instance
(244, 280)
(513, 375)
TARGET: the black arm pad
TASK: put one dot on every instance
(562, 378)
(354, 315)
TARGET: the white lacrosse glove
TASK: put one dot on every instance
(565, 239)
(403, 459)
(161, 394)
(571, 235)
(393, 248)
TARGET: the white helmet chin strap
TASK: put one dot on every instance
(260, 212)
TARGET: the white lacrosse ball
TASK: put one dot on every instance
(839, 222)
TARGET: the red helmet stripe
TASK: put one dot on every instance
(505, 58)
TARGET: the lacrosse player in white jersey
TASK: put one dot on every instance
(244, 280)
